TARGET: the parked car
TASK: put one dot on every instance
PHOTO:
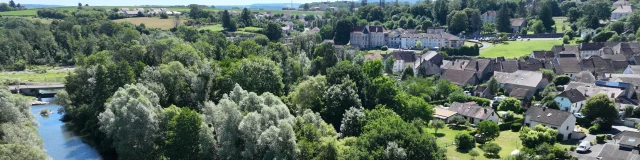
(583, 147)
(499, 98)
(578, 115)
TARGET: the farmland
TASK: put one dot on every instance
(151, 22)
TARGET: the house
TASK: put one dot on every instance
(287, 29)
(482, 67)
(374, 56)
(587, 32)
(627, 49)
(632, 69)
(622, 11)
(460, 77)
(426, 40)
(124, 9)
(542, 55)
(131, 13)
(431, 62)
(632, 79)
(482, 91)
(368, 36)
(403, 59)
(517, 24)
(589, 90)
(529, 81)
(508, 66)
(458, 64)
(489, 17)
(571, 100)
(584, 77)
(532, 64)
(522, 94)
(625, 149)
(443, 114)
(597, 65)
(474, 113)
(567, 66)
(562, 121)
(618, 61)
(589, 49)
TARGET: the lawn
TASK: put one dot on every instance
(51, 76)
(507, 140)
(215, 28)
(559, 23)
(516, 49)
(151, 22)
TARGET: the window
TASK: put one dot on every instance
(567, 128)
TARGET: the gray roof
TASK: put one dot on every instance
(635, 69)
(624, 9)
(458, 64)
(613, 152)
(471, 109)
(567, 65)
(517, 22)
(446, 36)
(585, 77)
(627, 134)
(520, 77)
(519, 93)
(478, 64)
(407, 56)
(630, 141)
(458, 77)
(548, 116)
(543, 54)
(510, 66)
(591, 46)
(573, 95)
(598, 65)
(590, 89)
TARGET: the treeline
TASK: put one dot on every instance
(19, 138)
(463, 51)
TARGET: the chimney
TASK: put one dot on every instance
(636, 87)
(544, 108)
(562, 47)
(477, 66)
(612, 95)
(485, 110)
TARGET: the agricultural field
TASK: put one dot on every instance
(49, 76)
(514, 49)
(151, 22)
(33, 12)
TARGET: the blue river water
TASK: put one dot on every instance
(60, 143)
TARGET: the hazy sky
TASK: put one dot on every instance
(154, 2)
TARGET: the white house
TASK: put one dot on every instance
(587, 32)
(403, 59)
(571, 100)
(368, 36)
(474, 113)
(632, 69)
(489, 17)
(562, 121)
(622, 11)
(443, 114)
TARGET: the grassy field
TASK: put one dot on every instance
(150, 22)
(51, 76)
(217, 27)
(559, 23)
(508, 140)
(32, 12)
(518, 48)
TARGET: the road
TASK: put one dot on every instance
(595, 149)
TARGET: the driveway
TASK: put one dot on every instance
(595, 149)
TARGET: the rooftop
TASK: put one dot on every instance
(573, 95)
(548, 116)
(458, 77)
(520, 77)
(471, 109)
(443, 113)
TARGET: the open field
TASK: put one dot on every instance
(51, 76)
(559, 23)
(516, 49)
(33, 12)
(215, 28)
(508, 140)
(150, 22)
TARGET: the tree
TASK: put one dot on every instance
(388, 64)
(183, 140)
(503, 20)
(600, 106)
(436, 124)
(376, 14)
(259, 75)
(473, 154)
(246, 17)
(338, 98)
(458, 22)
(408, 72)
(353, 122)
(308, 94)
(458, 121)
(545, 14)
(394, 152)
(131, 119)
(4, 7)
(493, 86)
(79, 5)
(373, 69)
(343, 29)
(12, 4)
(306, 6)
(363, 3)
(510, 104)
(464, 142)
(538, 27)
(539, 135)
(227, 23)
(273, 31)
(546, 73)
(475, 20)
(573, 15)
(440, 11)
(326, 32)
(488, 129)
(491, 149)
(561, 80)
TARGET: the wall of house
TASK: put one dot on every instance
(576, 107)
(589, 53)
(616, 16)
(628, 71)
(565, 129)
(564, 103)
(399, 65)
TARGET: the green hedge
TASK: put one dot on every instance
(505, 126)
(515, 127)
(600, 138)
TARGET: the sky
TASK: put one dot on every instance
(154, 2)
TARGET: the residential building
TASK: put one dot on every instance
(625, 149)
(131, 13)
(443, 114)
(590, 89)
(571, 100)
(543, 55)
(567, 66)
(584, 77)
(458, 64)
(622, 11)
(529, 81)
(589, 49)
(430, 41)
(482, 91)
(517, 24)
(632, 69)
(403, 59)
(431, 62)
(562, 121)
(368, 36)
(587, 32)
(489, 17)
(460, 77)
(474, 113)
(482, 67)
(619, 62)
(597, 65)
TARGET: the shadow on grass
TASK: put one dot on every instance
(492, 156)
(571, 142)
(439, 134)
(457, 128)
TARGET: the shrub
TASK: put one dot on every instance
(473, 132)
(573, 148)
(384, 48)
(474, 153)
(508, 117)
(505, 126)
(491, 149)
(465, 142)
(562, 80)
(594, 129)
(600, 138)
(516, 127)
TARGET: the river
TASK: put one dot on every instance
(60, 143)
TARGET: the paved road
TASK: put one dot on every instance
(40, 86)
(595, 149)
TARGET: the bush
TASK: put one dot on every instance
(473, 132)
(562, 80)
(508, 117)
(515, 127)
(594, 129)
(465, 142)
(505, 126)
(573, 148)
(491, 149)
(600, 138)
(384, 48)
